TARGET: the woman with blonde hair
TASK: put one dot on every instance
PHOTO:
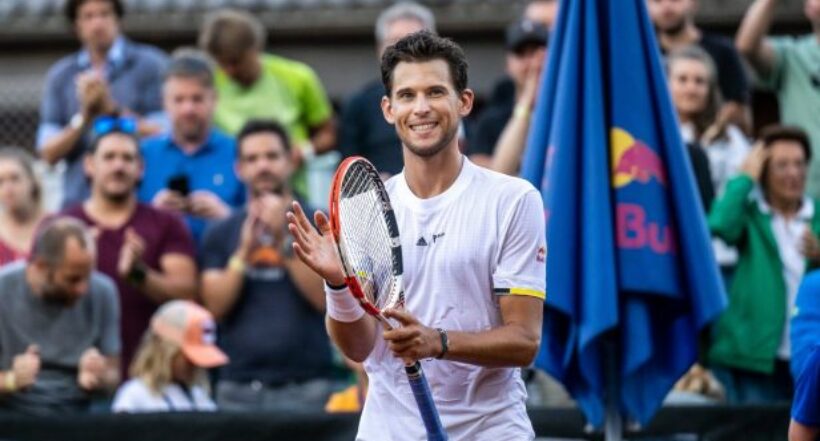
(20, 201)
(168, 372)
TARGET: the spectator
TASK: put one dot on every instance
(363, 130)
(695, 94)
(20, 200)
(787, 66)
(58, 325)
(169, 369)
(805, 363)
(252, 84)
(188, 170)
(775, 231)
(110, 74)
(674, 22)
(255, 287)
(501, 131)
(146, 251)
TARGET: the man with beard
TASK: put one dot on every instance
(148, 252)
(269, 305)
(188, 170)
(58, 325)
(674, 22)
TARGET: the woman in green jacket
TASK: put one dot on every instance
(775, 226)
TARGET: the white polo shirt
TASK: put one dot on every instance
(482, 238)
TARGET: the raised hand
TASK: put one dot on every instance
(316, 249)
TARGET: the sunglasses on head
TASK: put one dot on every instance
(107, 124)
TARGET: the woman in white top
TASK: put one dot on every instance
(168, 372)
(693, 85)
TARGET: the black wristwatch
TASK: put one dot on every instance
(138, 274)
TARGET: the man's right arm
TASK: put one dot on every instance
(222, 278)
(750, 40)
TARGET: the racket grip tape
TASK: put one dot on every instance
(424, 400)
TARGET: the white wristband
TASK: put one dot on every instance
(342, 306)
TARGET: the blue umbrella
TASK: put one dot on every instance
(630, 261)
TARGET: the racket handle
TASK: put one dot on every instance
(424, 400)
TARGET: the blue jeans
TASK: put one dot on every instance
(749, 387)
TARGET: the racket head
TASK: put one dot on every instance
(367, 235)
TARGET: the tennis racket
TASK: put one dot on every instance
(367, 236)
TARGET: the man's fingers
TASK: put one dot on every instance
(322, 223)
(404, 317)
(301, 218)
(33, 350)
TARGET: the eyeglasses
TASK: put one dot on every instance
(104, 125)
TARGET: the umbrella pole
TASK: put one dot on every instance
(613, 424)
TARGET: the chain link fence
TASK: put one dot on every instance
(19, 101)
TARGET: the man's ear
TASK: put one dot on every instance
(387, 110)
(88, 165)
(466, 99)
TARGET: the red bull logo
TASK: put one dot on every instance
(634, 161)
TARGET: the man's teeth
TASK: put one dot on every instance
(427, 126)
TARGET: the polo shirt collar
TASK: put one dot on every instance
(208, 145)
(805, 213)
(115, 57)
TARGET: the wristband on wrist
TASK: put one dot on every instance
(236, 263)
(521, 111)
(445, 342)
(10, 381)
(341, 305)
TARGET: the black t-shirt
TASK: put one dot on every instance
(365, 132)
(272, 334)
(734, 86)
(491, 122)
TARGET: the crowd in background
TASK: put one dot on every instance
(164, 279)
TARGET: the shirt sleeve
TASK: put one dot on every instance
(214, 253)
(314, 100)
(109, 343)
(177, 238)
(522, 268)
(51, 117)
(131, 397)
(781, 47)
(806, 403)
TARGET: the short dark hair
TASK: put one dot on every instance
(51, 237)
(191, 63)
(773, 133)
(420, 47)
(72, 6)
(92, 148)
(255, 126)
(231, 31)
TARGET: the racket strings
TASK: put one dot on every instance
(366, 235)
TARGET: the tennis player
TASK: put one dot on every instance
(474, 266)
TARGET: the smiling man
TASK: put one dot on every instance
(474, 307)
(148, 252)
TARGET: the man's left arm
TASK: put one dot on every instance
(99, 367)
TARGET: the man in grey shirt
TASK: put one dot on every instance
(59, 325)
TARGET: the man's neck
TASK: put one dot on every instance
(34, 279)
(430, 177)
(190, 146)
(786, 208)
(110, 213)
(98, 56)
(689, 35)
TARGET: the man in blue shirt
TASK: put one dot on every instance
(109, 74)
(189, 170)
(805, 363)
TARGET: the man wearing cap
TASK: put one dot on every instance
(148, 252)
(805, 362)
(269, 304)
(59, 323)
(507, 118)
(169, 370)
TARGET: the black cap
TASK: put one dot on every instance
(525, 32)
